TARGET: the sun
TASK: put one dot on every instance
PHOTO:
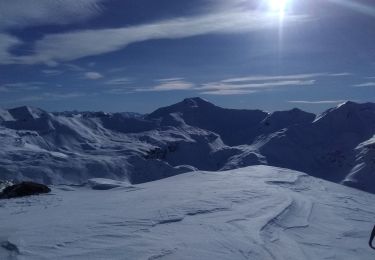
(278, 6)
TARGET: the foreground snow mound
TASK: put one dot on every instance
(258, 213)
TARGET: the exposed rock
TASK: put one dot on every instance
(24, 189)
(10, 247)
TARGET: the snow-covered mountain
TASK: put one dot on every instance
(257, 213)
(363, 173)
(330, 147)
(72, 147)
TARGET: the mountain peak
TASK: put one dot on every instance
(195, 102)
(350, 115)
(348, 104)
(188, 104)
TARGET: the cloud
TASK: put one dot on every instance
(284, 77)
(169, 79)
(342, 74)
(21, 13)
(21, 86)
(169, 85)
(78, 44)
(51, 72)
(28, 13)
(262, 85)
(318, 102)
(224, 92)
(119, 81)
(268, 78)
(6, 43)
(230, 86)
(365, 84)
(92, 75)
(253, 84)
(256, 83)
(46, 96)
(119, 91)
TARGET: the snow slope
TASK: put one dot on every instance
(257, 212)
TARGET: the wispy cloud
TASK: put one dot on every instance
(169, 85)
(74, 67)
(119, 91)
(119, 81)
(225, 92)
(6, 43)
(169, 79)
(317, 102)
(21, 13)
(93, 75)
(79, 44)
(21, 86)
(285, 77)
(365, 84)
(262, 85)
(342, 74)
(255, 83)
(51, 72)
(271, 78)
(230, 86)
(46, 96)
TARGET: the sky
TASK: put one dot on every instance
(138, 55)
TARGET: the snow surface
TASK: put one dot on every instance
(257, 212)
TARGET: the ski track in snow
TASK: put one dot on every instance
(251, 213)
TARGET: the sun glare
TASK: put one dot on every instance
(278, 6)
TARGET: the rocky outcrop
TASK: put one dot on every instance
(24, 189)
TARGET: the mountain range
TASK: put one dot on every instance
(73, 147)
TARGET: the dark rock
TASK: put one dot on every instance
(24, 189)
(10, 247)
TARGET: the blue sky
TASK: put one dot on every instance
(137, 55)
